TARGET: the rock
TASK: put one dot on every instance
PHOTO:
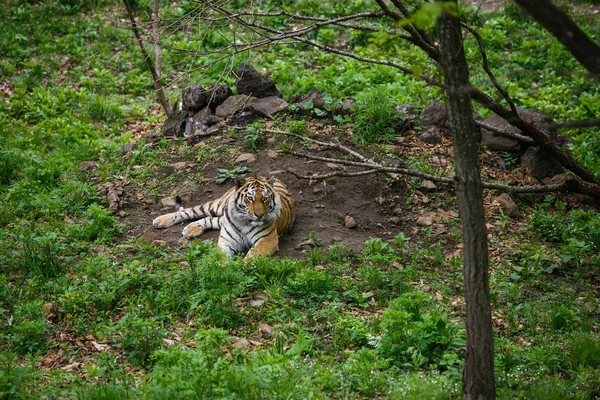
(319, 268)
(251, 82)
(265, 330)
(126, 148)
(432, 135)
(205, 117)
(395, 220)
(269, 106)
(218, 94)
(175, 124)
(507, 205)
(159, 243)
(234, 104)
(434, 114)
(349, 222)
(196, 98)
(346, 107)
(407, 113)
(428, 185)
(313, 99)
(122, 214)
(257, 303)
(246, 157)
(148, 237)
(169, 201)
(88, 165)
(497, 142)
(242, 344)
(179, 165)
(427, 218)
(540, 163)
(540, 120)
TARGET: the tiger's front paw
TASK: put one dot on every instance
(164, 221)
(193, 231)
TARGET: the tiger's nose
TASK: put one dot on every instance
(259, 213)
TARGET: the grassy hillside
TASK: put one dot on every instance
(92, 309)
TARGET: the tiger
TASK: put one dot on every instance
(250, 217)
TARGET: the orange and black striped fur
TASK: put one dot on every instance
(250, 217)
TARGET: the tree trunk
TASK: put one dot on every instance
(478, 376)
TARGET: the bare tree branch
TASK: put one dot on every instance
(153, 69)
(487, 69)
(584, 49)
(503, 132)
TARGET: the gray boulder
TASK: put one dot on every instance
(175, 124)
(269, 106)
(252, 83)
(434, 114)
(432, 134)
(234, 104)
(498, 142)
(196, 97)
(540, 163)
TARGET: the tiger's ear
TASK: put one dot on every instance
(239, 181)
(272, 180)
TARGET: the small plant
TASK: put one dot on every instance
(223, 175)
(298, 127)
(376, 119)
(141, 337)
(415, 332)
(584, 351)
(253, 137)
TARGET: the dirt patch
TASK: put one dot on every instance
(321, 207)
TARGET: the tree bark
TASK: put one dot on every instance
(566, 31)
(478, 375)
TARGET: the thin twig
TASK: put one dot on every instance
(487, 69)
(505, 132)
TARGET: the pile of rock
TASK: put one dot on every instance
(510, 149)
(202, 107)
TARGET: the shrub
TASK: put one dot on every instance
(415, 332)
(375, 119)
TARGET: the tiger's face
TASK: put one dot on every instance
(256, 201)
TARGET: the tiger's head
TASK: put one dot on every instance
(255, 202)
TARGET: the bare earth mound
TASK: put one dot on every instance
(321, 207)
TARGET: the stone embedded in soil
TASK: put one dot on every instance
(349, 222)
(158, 242)
(319, 268)
(88, 165)
(169, 201)
(242, 344)
(257, 303)
(540, 163)
(432, 135)
(395, 220)
(265, 330)
(427, 218)
(434, 114)
(246, 157)
(179, 165)
(428, 185)
(507, 205)
(148, 237)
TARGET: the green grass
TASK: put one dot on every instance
(169, 321)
